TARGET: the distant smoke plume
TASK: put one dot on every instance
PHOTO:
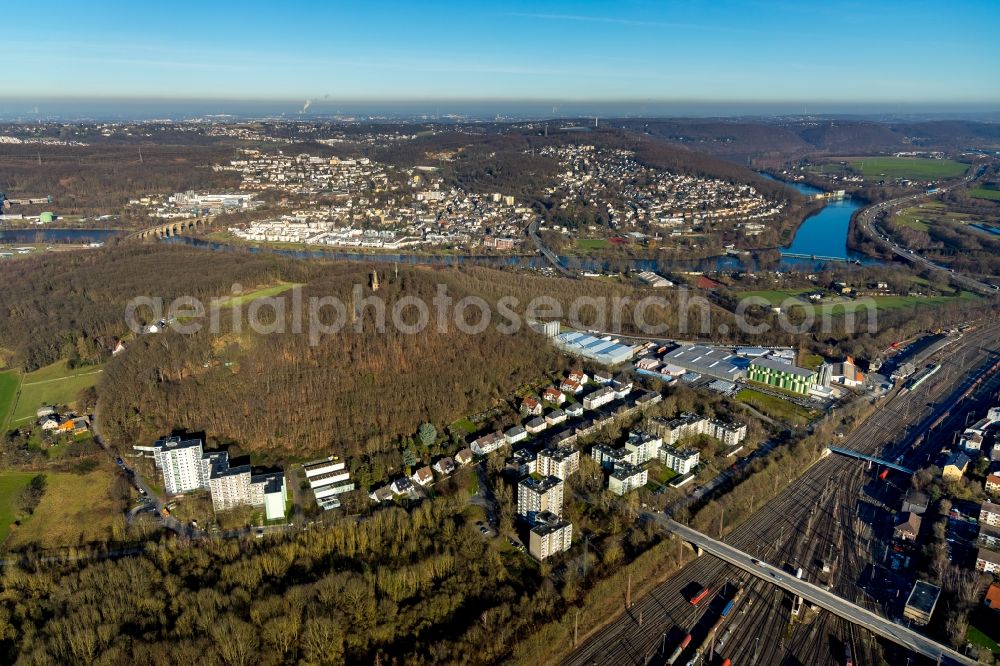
(306, 106)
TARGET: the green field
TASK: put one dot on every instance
(913, 168)
(661, 474)
(978, 637)
(835, 305)
(75, 509)
(9, 381)
(887, 303)
(774, 407)
(11, 484)
(54, 384)
(592, 243)
(811, 361)
(913, 218)
(925, 215)
(985, 193)
(774, 296)
(464, 425)
(250, 296)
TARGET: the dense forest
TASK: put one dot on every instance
(100, 179)
(743, 140)
(354, 391)
(72, 305)
(338, 595)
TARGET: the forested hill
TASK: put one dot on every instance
(743, 140)
(72, 304)
(353, 391)
(357, 390)
(278, 394)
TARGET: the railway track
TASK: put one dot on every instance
(813, 519)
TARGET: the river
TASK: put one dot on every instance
(56, 236)
(825, 233)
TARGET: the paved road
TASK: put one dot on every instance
(866, 218)
(817, 595)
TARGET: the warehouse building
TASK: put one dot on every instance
(710, 361)
(606, 350)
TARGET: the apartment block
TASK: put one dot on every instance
(536, 494)
(561, 462)
(549, 536)
(627, 477)
(180, 463)
(642, 447)
(681, 461)
(689, 425)
(230, 487)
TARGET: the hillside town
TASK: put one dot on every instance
(358, 202)
(631, 195)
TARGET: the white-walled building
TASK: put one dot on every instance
(181, 464)
(536, 495)
(230, 487)
(599, 398)
(627, 477)
(643, 447)
(689, 425)
(681, 461)
(549, 536)
(560, 462)
(186, 467)
(328, 478)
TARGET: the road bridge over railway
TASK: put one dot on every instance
(865, 456)
(817, 595)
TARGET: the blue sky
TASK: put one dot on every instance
(760, 50)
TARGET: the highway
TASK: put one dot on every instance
(817, 595)
(832, 521)
(866, 219)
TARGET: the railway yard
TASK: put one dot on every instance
(832, 526)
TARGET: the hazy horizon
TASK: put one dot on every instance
(34, 109)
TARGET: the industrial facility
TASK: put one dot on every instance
(606, 350)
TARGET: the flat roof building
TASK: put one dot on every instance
(561, 462)
(921, 602)
(180, 461)
(711, 361)
(626, 477)
(681, 461)
(606, 350)
(538, 494)
(550, 535)
(328, 478)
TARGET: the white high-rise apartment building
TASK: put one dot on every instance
(180, 462)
